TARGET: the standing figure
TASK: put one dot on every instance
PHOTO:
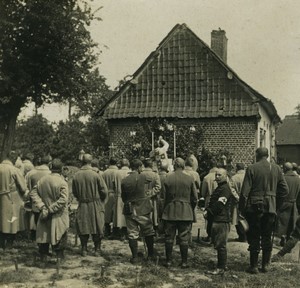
(51, 196)
(153, 184)
(288, 212)
(263, 185)
(119, 222)
(209, 184)
(237, 183)
(32, 177)
(110, 178)
(219, 209)
(12, 189)
(137, 209)
(180, 198)
(27, 163)
(189, 164)
(90, 191)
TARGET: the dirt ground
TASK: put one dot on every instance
(113, 269)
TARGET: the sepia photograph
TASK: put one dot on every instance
(149, 143)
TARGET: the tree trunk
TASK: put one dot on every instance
(70, 109)
(9, 133)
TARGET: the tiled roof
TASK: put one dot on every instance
(184, 78)
(288, 133)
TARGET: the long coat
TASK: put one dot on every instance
(288, 209)
(32, 177)
(12, 188)
(153, 184)
(90, 190)
(51, 191)
(119, 218)
(180, 197)
(265, 183)
(237, 183)
(110, 178)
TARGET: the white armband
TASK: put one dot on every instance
(223, 200)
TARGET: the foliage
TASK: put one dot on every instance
(207, 159)
(69, 140)
(34, 135)
(46, 55)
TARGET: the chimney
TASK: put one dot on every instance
(219, 43)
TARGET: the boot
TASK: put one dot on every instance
(84, 240)
(107, 230)
(169, 250)
(150, 242)
(266, 257)
(184, 255)
(97, 248)
(253, 262)
(289, 245)
(133, 244)
(222, 259)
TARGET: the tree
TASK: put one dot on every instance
(46, 55)
(34, 135)
(298, 110)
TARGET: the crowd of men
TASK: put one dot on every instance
(131, 200)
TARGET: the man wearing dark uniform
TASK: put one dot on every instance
(180, 198)
(263, 186)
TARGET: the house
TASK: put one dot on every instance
(189, 85)
(288, 139)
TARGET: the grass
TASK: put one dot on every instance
(20, 276)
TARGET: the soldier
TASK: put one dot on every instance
(51, 196)
(153, 184)
(119, 222)
(137, 209)
(287, 212)
(12, 189)
(263, 185)
(32, 177)
(219, 209)
(209, 184)
(180, 198)
(110, 178)
(237, 183)
(90, 191)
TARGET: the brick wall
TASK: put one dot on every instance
(235, 135)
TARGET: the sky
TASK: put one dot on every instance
(263, 40)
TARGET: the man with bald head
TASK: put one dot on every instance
(219, 210)
(288, 212)
(90, 190)
(180, 198)
(263, 187)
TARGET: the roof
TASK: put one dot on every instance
(184, 78)
(288, 133)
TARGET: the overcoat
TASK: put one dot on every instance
(288, 209)
(90, 191)
(180, 197)
(119, 218)
(153, 184)
(32, 177)
(263, 181)
(110, 178)
(51, 191)
(12, 188)
(237, 183)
